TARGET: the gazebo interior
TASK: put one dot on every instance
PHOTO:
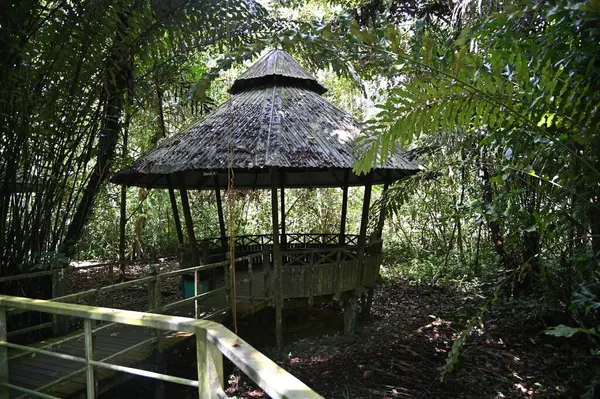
(277, 132)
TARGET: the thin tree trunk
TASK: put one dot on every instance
(123, 204)
(459, 237)
(531, 238)
(493, 225)
(119, 72)
(476, 269)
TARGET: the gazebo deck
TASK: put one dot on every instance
(312, 264)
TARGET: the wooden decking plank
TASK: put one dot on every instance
(38, 374)
(110, 343)
(53, 363)
(65, 388)
(29, 378)
(73, 351)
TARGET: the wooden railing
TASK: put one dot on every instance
(294, 239)
(213, 341)
(308, 272)
(313, 272)
(153, 282)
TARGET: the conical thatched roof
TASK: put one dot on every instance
(275, 118)
(277, 67)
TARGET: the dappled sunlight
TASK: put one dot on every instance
(345, 136)
(434, 332)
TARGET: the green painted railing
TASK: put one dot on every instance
(213, 341)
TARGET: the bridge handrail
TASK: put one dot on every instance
(49, 272)
(212, 339)
(152, 278)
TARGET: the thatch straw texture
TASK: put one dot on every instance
(288, 126)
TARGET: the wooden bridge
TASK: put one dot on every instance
(212, 341)
(50, 368)
(117, 341)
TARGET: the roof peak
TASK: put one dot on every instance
(276, 67)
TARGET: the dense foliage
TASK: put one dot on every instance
(498, 100)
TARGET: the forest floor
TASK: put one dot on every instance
(401, 351)
(84, 278)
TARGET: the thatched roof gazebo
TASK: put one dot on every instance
(276, 132)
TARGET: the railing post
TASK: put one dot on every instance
(94, 300)
(196, 293)
(266, 271)
(58, 290)
(251, 277)
(4, 392)
(154, 303)
(210, 366)
(91, 383)
(205, 261)
(154, 291)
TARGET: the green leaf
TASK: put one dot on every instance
(562, 331)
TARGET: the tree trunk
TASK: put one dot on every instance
(531, 238)
(123, 204)
(119, 72)
(159, 133)
(493, 225)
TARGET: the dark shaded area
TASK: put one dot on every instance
(401, 352)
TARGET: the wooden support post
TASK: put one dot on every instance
(381, 221)
(91, 382)
(364, 221)
(189, 224)
(94, 300)
(267, 271)
(155, 303)
(277, 262)
(250, 283)
(122, 225)
(368, 299)
(209, 361)
(175, 212)
(220, 212)
(344, 207)
(4, 392)
(366, 304)
(154, 290)
(282, 184)
(350, 314)
(205, 252)
(196, 293)
(58, 289)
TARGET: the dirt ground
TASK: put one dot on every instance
(400, 352)
(134, 298)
